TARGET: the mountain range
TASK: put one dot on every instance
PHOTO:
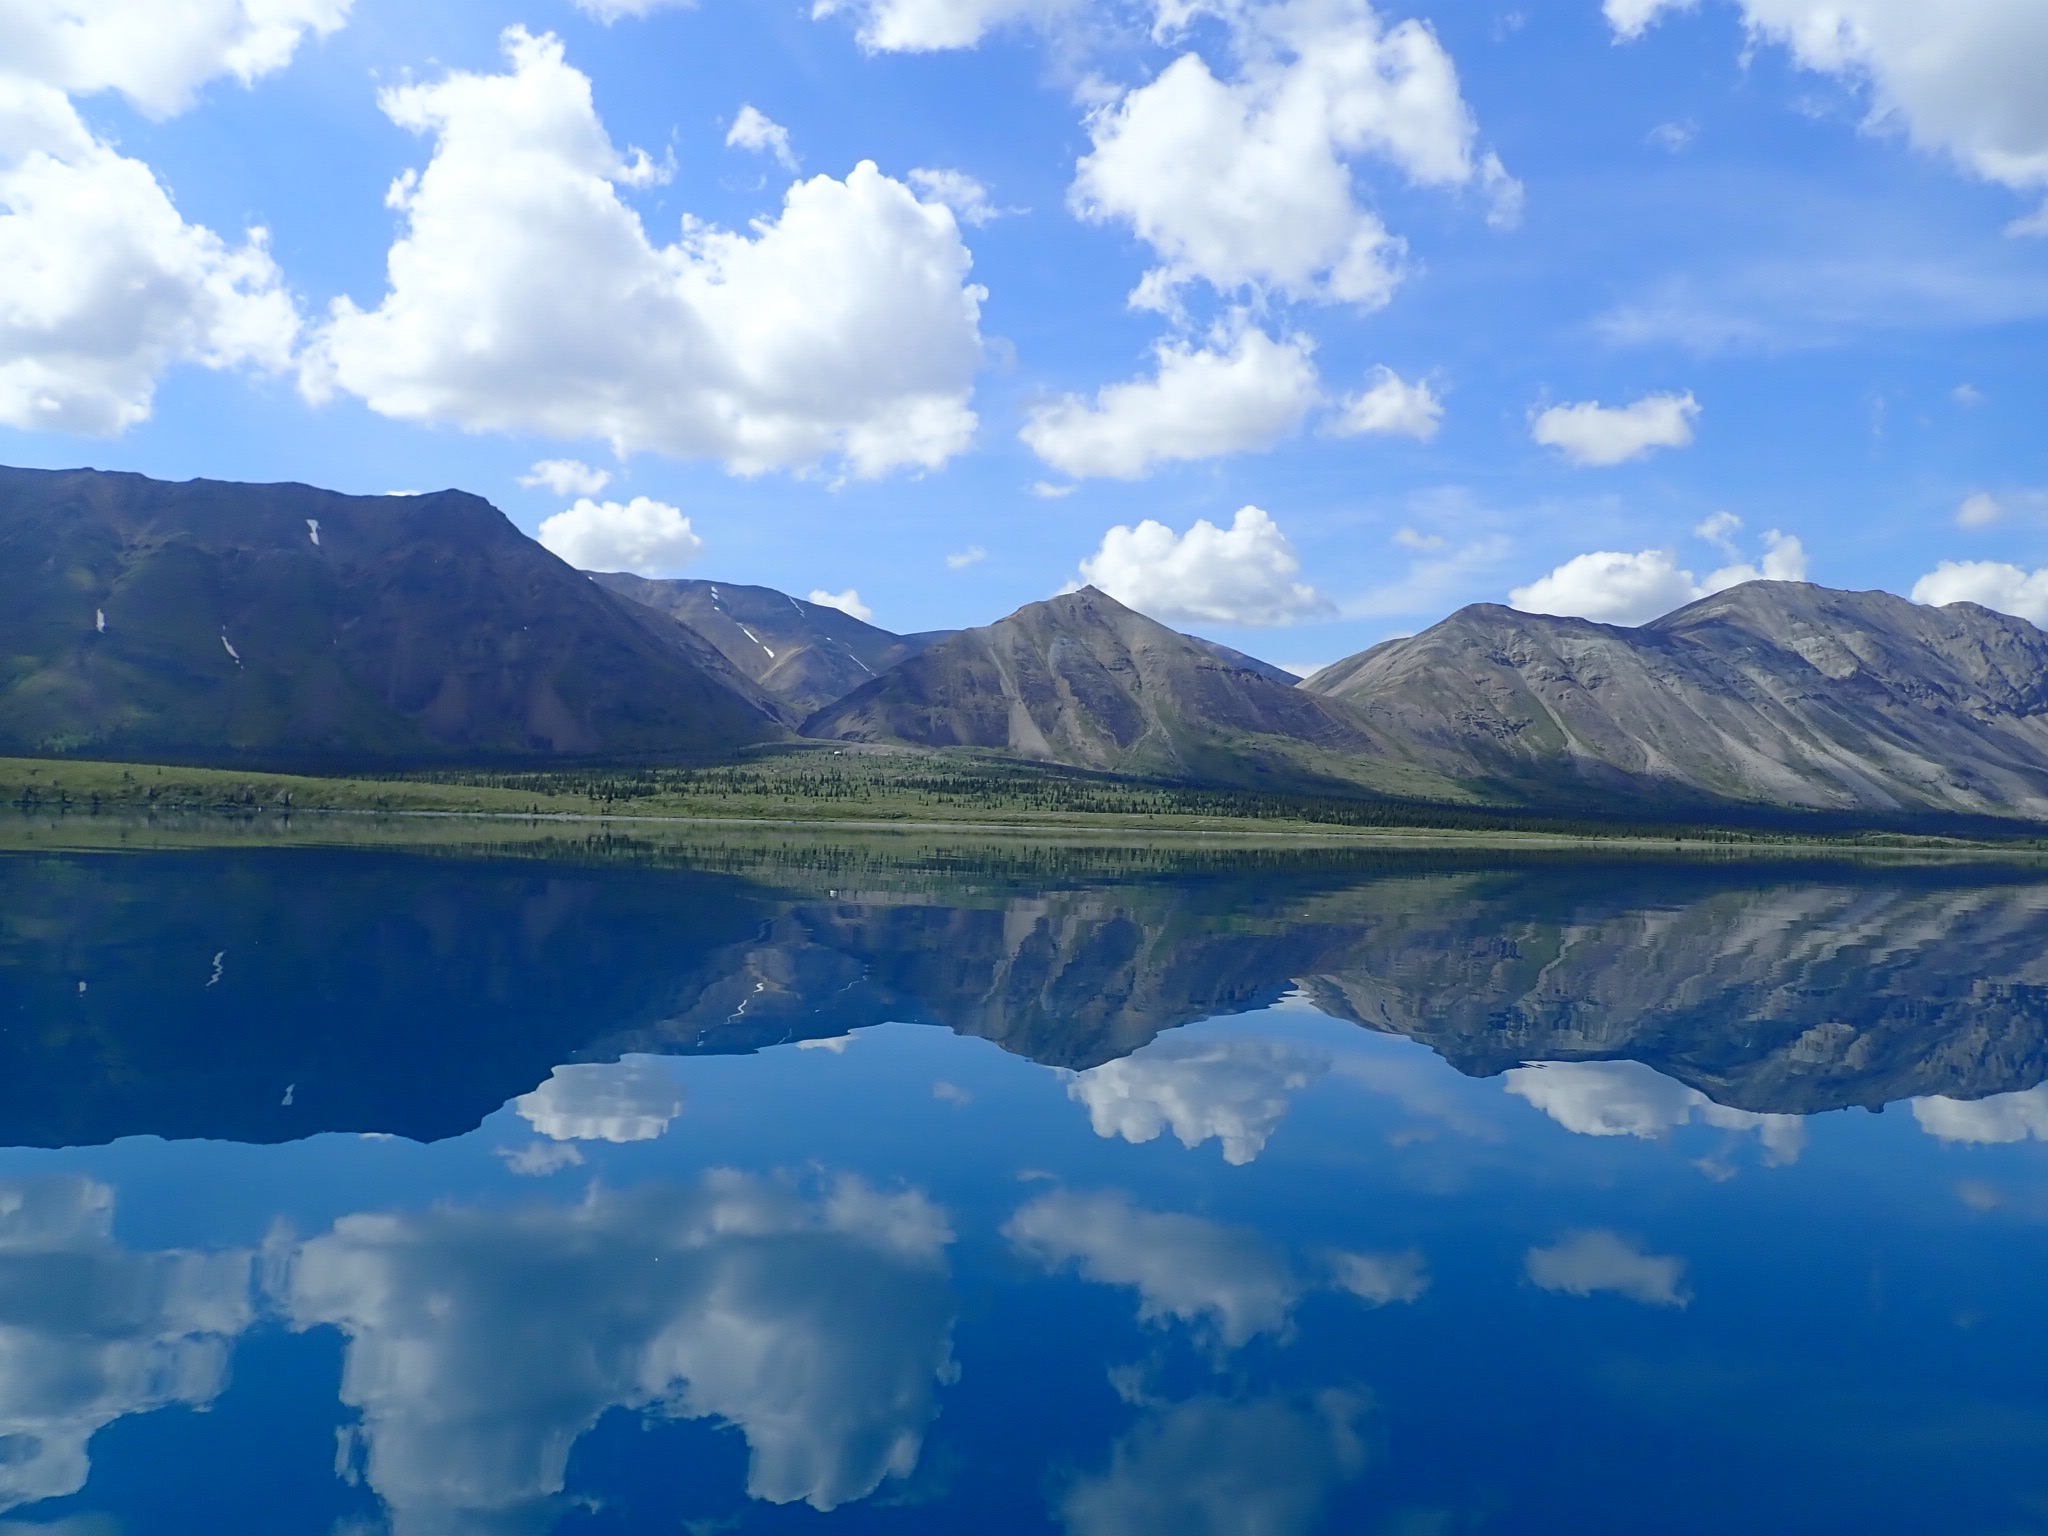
(285, 625)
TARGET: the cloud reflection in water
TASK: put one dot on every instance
(482, 1344)
(91, 1332)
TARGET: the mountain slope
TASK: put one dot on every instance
(805, 654)
(1249, 663)
(218, 622)
(1084, 681)
(1773, 693)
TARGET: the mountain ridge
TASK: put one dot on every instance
(282, 623)
(1771, 693)
(1086, 682)
(805, 654)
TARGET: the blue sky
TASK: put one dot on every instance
(1596, 306)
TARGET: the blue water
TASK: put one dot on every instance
(356, 1192)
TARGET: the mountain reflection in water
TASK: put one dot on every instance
(270, 996)
(352, 1191)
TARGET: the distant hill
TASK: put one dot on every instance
(214, 622)
(1084, 681)
(805, 654)
(1774, 693)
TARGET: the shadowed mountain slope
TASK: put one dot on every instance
(1084, 681)
(1771, 694)
(285, 624)
(805, 654)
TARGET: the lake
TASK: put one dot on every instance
(607, 1186)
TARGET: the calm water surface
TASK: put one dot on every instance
(364, 1191)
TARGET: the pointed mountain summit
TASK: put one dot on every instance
(1084, 681)
(1772, 693)
(805, 654)
(215, 622)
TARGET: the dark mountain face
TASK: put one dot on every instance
(285, 624)
(1773, 694)
(1084, 681)
(804, 654)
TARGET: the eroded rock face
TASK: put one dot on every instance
(280, 624)
(805, 654)
(1773, 694)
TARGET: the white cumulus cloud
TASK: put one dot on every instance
(1232, 1091)
(1390, 406)
(1184, 1267)
(624, 1101)
(1626, 1098)
(647, 537)
(566, 477)
(959, 560)
(1248, 182)
(1246, 574)
(526, 296)
(1784, 560)
(847, 602)
(1597, 436)
(1610, 587)
(967, 197)
(1961, 79)
(104, 286)
(157, 55)
(1719, 530)
(1597, 1262)
(756, 130)
(1989, 584)
(1237, 394)
(931, 26)
(1632, 18)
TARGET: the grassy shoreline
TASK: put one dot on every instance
(863, 795)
